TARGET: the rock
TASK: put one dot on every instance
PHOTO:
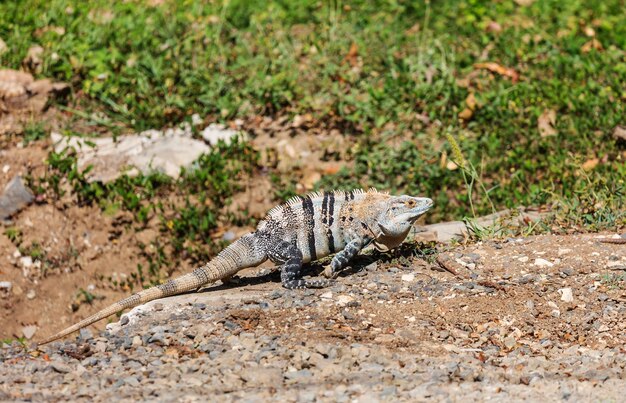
(33, 60)
(15, 197)
(137, 341)
(131, 381)
(25, 262)
(408, 277)
(85, 334)
(510, 342)
(619, 133)
(31, 294)
(344, 300)
(213, 133)
(60, 367)
(152, 150)
(101, 346)
(299, 376)
(328, 295)
(566, 294)
(262, 376)
(542, 263)
(29, 331)
(6, 285)
(564, 251)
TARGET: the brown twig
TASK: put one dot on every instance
(445, 263)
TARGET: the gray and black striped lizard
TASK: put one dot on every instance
(302, 230)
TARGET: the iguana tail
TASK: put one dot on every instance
(241, 254)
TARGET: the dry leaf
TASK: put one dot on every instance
(620, 133)
(593, 44)
(546, 122)
(498, 69)
(466, 114)
(493, 26)
(353, 55)
(590, 164)
(470, 101)
(470, 107)
(524, 3)
(590, 32)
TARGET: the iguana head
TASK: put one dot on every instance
(398, 217)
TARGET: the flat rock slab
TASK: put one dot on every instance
(15, 197)
(164, 151)
(212, 297)
(459, 230)
(22, 97)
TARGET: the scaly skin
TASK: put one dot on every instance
(304, 229)
(613, 240)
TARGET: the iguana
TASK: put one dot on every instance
(303, 229)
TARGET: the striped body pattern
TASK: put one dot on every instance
(304, 229)
(313, 222)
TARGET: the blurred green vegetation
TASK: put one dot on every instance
(396, 75)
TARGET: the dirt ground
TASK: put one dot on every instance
(518, 318)
(533, 318)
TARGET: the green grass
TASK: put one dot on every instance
(139, 66)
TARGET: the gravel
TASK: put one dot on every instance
(395, 333)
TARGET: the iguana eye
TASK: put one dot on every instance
(410, 203)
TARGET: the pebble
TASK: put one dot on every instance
(566, 294)
(400, 349)
(344, 300)
(60, 367)
(327, 295)
(408, 277)
(29, 331)
(539, 262)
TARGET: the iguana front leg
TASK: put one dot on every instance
(342, 258)
(290, 258)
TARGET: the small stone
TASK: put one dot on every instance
(510, 342)
(542, 263)
(15, 197)
(26, 262)
(299, 376)
(408, 277)
(101, 347)
(328, 295)
(343, 300)
(523, 259)
(566, 294)
(29, 331)
(137, 341)
(31, 294)
(262, 376)
(603, 328)
(6, 285)
(60, 367)
(214, 132)
(229, 236)
(131, 381)
(564, 251)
